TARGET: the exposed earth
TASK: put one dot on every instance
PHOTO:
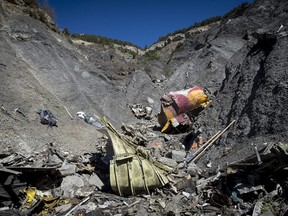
(242, 61)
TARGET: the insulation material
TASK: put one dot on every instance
(175, 105)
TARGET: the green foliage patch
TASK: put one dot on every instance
(151, 55)
(101, 40)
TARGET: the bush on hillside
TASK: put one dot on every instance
(66, 32)
(43, 12)
(31, 3)
(238, 11)
(151, 55)
(47, 9)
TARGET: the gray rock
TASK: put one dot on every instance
(186, 184)
(24, 149)
(94, 180)
(63, 208)
(168, 161)
(89, 207)
(54, 159)
(193, 169)
(67, 169)
(178, 155)
(84, 191)
(70, 184)
(167, 137)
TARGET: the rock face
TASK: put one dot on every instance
(254, 89)
(241, 60)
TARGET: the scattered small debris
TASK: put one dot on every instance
(18, 110)
(141, 111)
(151, 173)
(89, 120)
(68, 113)
(47, 117)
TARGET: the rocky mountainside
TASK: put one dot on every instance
(240, 60)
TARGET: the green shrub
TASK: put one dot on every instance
(152, 55)
(43, 12)
(30, 3)
(70, 41)
(66, 32)
(42, 16)
(47, 9)
(237, 11)
(123, 50)
(101, 40)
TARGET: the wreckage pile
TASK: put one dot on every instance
(148, 173)
(230, 161)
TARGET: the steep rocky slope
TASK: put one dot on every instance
(241, 61)
(247, 75)
(41, 69)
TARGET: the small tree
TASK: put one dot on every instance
(48, 9)
(30, 3)
(66, 32)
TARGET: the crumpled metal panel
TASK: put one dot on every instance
(132, 170)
